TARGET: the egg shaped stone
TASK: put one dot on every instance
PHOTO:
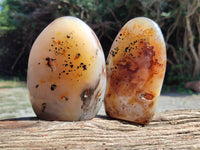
(66, 76)
(135, 71)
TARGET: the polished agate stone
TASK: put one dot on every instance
(135, 71)
(66, 72)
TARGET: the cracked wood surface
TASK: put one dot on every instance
(170, 129)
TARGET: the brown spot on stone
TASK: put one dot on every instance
(108, 95)
(50, 62)
(42, 81)
(53, 86)
(77, 56)
(64, 98)
(151, 104)
(148, 96)
(43, 106)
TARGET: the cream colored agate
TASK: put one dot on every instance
(66, 72)
(135, 71)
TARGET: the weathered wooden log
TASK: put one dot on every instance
(170, 129)
(194, 85)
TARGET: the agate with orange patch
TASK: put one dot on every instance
(66, 71)
(135, 71)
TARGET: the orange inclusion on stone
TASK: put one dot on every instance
(41, 81)
(64, 53)
(77, 75)
(61, 97)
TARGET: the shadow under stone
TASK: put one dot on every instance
(21, 119)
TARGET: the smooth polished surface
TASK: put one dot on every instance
(135, 71)
(66, 72)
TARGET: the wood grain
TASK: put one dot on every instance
(168, 130)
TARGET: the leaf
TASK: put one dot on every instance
(165, 14)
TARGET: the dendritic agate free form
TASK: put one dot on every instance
(135, 71)
(66, 72)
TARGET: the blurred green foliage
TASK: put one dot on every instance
(21, 21)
